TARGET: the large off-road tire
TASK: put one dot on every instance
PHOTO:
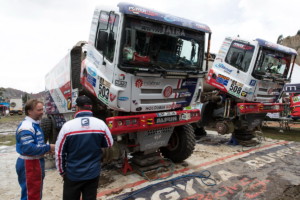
(200, 132)
(181, 144)
(46, 126)
(243, 135)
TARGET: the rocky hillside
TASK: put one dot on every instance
(10, 93)
(293, 42)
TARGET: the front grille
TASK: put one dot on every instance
(159, 91)
(153, 101)
(265, 95)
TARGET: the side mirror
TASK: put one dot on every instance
(102, 41)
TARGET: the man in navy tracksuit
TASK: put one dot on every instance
(31, 147)
(78, 152)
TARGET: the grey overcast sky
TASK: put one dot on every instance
(36, 34)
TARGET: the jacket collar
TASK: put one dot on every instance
(32, 120)
(83, 113)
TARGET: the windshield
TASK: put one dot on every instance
(240, 55)
(273, 62)
(159, 46)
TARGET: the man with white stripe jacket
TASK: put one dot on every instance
(78, 152)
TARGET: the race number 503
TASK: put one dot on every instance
(103, 91)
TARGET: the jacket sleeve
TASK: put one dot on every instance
(108, 140)
(60, 151)
(28, 145)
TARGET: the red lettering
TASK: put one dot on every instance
(259, 186)
(209, 196)
(230, 189)
(219, 194)
(245, 181)
(195, 197)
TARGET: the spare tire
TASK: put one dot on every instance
(46, 126)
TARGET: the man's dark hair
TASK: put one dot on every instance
(31, 104)
(84, 102)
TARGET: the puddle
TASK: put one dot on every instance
(7, 140)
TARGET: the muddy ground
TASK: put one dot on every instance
(270, 170)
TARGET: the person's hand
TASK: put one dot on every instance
(52, 149)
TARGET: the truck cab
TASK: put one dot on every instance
(138, 60)
(244, 83)
(252, 71)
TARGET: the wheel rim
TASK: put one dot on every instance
(174, 141)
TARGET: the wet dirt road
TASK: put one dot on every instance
(269, 171)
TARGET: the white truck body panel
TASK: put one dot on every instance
(15, 105)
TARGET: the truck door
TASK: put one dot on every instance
(101, 57)
(239, 57)
(231, 68)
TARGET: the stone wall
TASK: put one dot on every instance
(293, 42)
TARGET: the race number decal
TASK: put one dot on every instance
(103, 93)
(236, 88)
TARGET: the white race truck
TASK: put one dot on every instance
(15, 106)
(141, 68)
(243, 84)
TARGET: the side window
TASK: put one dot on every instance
(106, 34)
(240, 55)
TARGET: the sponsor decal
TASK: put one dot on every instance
(189, 82)
(242, 46)
(92, 71)
(185, 94)
(104, 82)
(112, 97)
(123, 98)
(186, 116)
(135, 102)
(244, 94)
(121, 77)
(202, 26)
(139, 83)
(121, 83)
(85, 122)
(170, 30)
(137, 10)
(110, 124)
(223, 79)
(91, 80)
(167, 91)
(94, 59)
(173, 106)
(66, 90)
(155, 108)
(296, 99)
(170, 18)
(151, 83)
(167, 119)
(252, 82)
(138, 109)
(222, 66)
(164, 114)
(163, 29)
